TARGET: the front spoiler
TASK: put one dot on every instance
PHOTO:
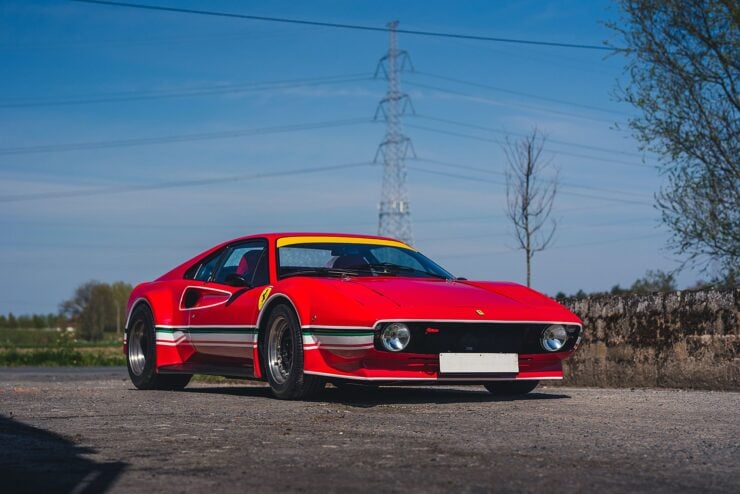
(397, 368)
(409, 381)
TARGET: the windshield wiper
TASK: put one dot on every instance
(391, 268)
(320, 272)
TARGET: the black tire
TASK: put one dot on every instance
(141, 354)
(510, 388)
(282, 354)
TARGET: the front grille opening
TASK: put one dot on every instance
(436, 338)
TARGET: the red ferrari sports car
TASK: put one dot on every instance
(302, 309)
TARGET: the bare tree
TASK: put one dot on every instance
(530, 196)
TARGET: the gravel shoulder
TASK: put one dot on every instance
(89, 430)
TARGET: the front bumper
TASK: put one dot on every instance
(348, 354)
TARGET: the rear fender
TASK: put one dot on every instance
(162, 299)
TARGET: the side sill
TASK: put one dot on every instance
(240, 372)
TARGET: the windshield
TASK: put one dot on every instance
(348, 259)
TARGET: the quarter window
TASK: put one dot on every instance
(204, 269)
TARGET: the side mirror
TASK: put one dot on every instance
(234, 279)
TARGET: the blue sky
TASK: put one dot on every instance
(56, 52)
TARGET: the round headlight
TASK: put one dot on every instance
(395, 337)
(554, 338)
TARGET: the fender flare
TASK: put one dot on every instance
(136, 303)
(261, 323)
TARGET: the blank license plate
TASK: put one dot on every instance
(450, 363)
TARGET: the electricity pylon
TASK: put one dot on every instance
(394, 218)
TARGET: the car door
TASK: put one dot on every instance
(174, 336)
(223, 310)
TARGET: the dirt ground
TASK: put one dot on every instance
(89, 430)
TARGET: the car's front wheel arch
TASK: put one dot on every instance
(264, 317)
(282, 356)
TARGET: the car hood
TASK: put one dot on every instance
(434, 299)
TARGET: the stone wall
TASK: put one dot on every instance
(686, 339)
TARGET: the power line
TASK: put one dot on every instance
(210, 226)
(146, 141)
(150, 245)
(464, 237)
(413, 32)
(509, 234)
(603, 242)
(565, 184)
(557, 247)
(456, 175)
(478, 98)
(146, 41)
(553, 151)
(558, 58)
(195, 91)
(520, 93)
(553, 141)
(576, 194)
(119, 189)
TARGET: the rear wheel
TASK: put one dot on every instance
(511, 388)
(283, 354)
(141, 354)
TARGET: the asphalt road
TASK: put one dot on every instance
(88, 430)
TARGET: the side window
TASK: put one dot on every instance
(202, 271)
(248, 260)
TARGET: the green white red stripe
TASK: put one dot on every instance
(213, 337)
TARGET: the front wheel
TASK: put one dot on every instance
(141, 354)
(283, 353)
(510, 388)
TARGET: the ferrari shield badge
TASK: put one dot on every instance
(263, 297)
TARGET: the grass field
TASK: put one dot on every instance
(38, 347)
(51, 348)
